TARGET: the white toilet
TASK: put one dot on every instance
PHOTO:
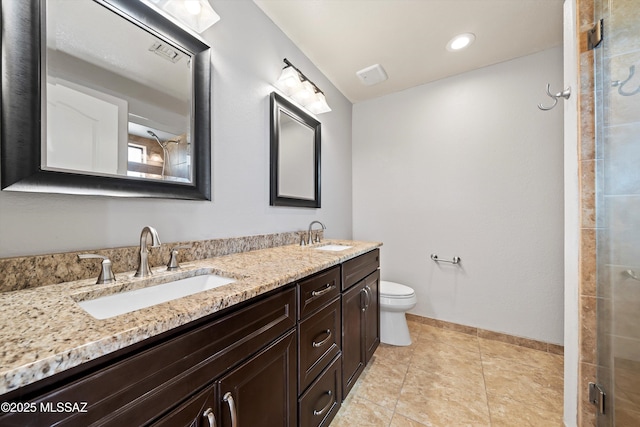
(395, 300)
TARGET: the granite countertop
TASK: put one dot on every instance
(44, 331)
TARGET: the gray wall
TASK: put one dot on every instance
(247, 58)
(468, 166)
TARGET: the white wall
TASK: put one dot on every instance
(247, 58)
(468, 166)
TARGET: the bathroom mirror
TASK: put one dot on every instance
(103, 97)
(295, 155)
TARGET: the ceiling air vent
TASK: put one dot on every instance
(372, 75)
(166, 51)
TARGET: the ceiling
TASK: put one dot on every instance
(409, 37)
(98, 36)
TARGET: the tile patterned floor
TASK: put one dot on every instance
(447, 379)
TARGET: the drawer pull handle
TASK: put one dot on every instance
(327, 288)
(327, 406)
(210, 416)
(232, 407)
(321, 343)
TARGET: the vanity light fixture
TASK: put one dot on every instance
(460, 42)
(196, 14)
(302, 90)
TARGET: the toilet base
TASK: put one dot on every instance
(394, 329)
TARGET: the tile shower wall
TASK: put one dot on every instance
(590, 163)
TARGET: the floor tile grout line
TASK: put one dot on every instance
(484, 381)
(404, 379)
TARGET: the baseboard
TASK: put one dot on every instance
(489, 335)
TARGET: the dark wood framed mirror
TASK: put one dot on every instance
(174, 124)
(295, 155)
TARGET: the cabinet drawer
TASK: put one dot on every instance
(321, 402)
(360, 267)
(319, 339)
(317, 290)
(134, 391)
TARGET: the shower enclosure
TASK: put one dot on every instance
(617, 79)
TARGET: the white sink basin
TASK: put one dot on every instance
(334, 248)
(126, 302)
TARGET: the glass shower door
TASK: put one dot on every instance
(617, 74)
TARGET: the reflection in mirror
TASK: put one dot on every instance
(103, 97)
(111, 110)
(295, 155)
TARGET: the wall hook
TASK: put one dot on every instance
(564, 94)
(620, 84)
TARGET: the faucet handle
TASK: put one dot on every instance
(173, 258)
(106, 274)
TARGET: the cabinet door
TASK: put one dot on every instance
(262, 390)
(199, 411)
(372, 314)
(353, 351)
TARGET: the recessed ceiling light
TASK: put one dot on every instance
(460, 41)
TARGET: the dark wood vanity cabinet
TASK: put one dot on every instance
(181, 376)
(360, 315)
(287, 358)
(319, 353)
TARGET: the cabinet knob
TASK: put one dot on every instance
(208, 414)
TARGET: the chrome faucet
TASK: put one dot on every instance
(309, 239)
(143, 260)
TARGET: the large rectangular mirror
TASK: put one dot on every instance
(103, 97)
(295, 155)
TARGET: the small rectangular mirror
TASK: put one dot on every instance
(295, 155)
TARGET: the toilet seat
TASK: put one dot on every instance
(395, 290)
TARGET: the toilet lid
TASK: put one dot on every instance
(394, 289)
